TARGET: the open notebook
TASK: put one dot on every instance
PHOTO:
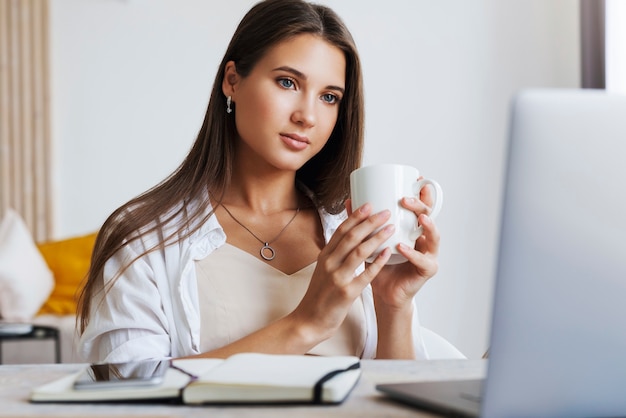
(242, 378)
(558, 340)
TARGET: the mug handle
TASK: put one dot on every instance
(437, 199)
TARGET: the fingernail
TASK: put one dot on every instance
(384, 213)
(410, 199)
(365, 208)
(384, 253)
(389, 229)
(426, 219)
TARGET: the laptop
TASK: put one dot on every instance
(558, 334)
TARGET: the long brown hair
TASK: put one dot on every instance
(208, 166)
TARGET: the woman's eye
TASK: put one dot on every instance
(330, 98)
(286, 83)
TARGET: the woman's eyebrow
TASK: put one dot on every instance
(291, 70)
(303, 76)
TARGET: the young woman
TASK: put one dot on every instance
(251, 244)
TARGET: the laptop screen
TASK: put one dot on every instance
(557, 338)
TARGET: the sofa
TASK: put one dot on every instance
(39, 283)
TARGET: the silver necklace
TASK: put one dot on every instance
(267, 252)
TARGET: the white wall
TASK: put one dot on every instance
(131, 78)
(615, 40)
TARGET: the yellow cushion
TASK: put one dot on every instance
(69, 261)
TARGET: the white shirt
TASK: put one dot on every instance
(152, 309)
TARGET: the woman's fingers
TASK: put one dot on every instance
(356, 239)
(424, 256)
(365, 247)
(372, 269)
(360, 224)
(430, 237)
(426, 194)
(425, 264)
(415, 205)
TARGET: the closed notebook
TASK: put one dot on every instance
(242, 378)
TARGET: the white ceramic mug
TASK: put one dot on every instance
(384, 186)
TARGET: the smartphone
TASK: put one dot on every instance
(122, 375)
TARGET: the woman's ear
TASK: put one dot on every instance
(231, 78)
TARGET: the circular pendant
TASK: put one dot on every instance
(267, 252)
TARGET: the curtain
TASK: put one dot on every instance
(592, 44)
(25, 114)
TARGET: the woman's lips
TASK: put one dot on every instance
(294, 141)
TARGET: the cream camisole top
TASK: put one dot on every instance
(239, 294)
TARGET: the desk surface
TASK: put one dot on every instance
(16, 382)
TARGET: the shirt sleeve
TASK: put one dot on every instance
(127, 320)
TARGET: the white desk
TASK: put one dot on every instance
(16, 382)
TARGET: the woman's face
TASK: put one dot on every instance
(287, 107)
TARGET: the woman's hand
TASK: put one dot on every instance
(334, 287)
(396, 285)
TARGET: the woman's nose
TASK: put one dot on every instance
(304, 114)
